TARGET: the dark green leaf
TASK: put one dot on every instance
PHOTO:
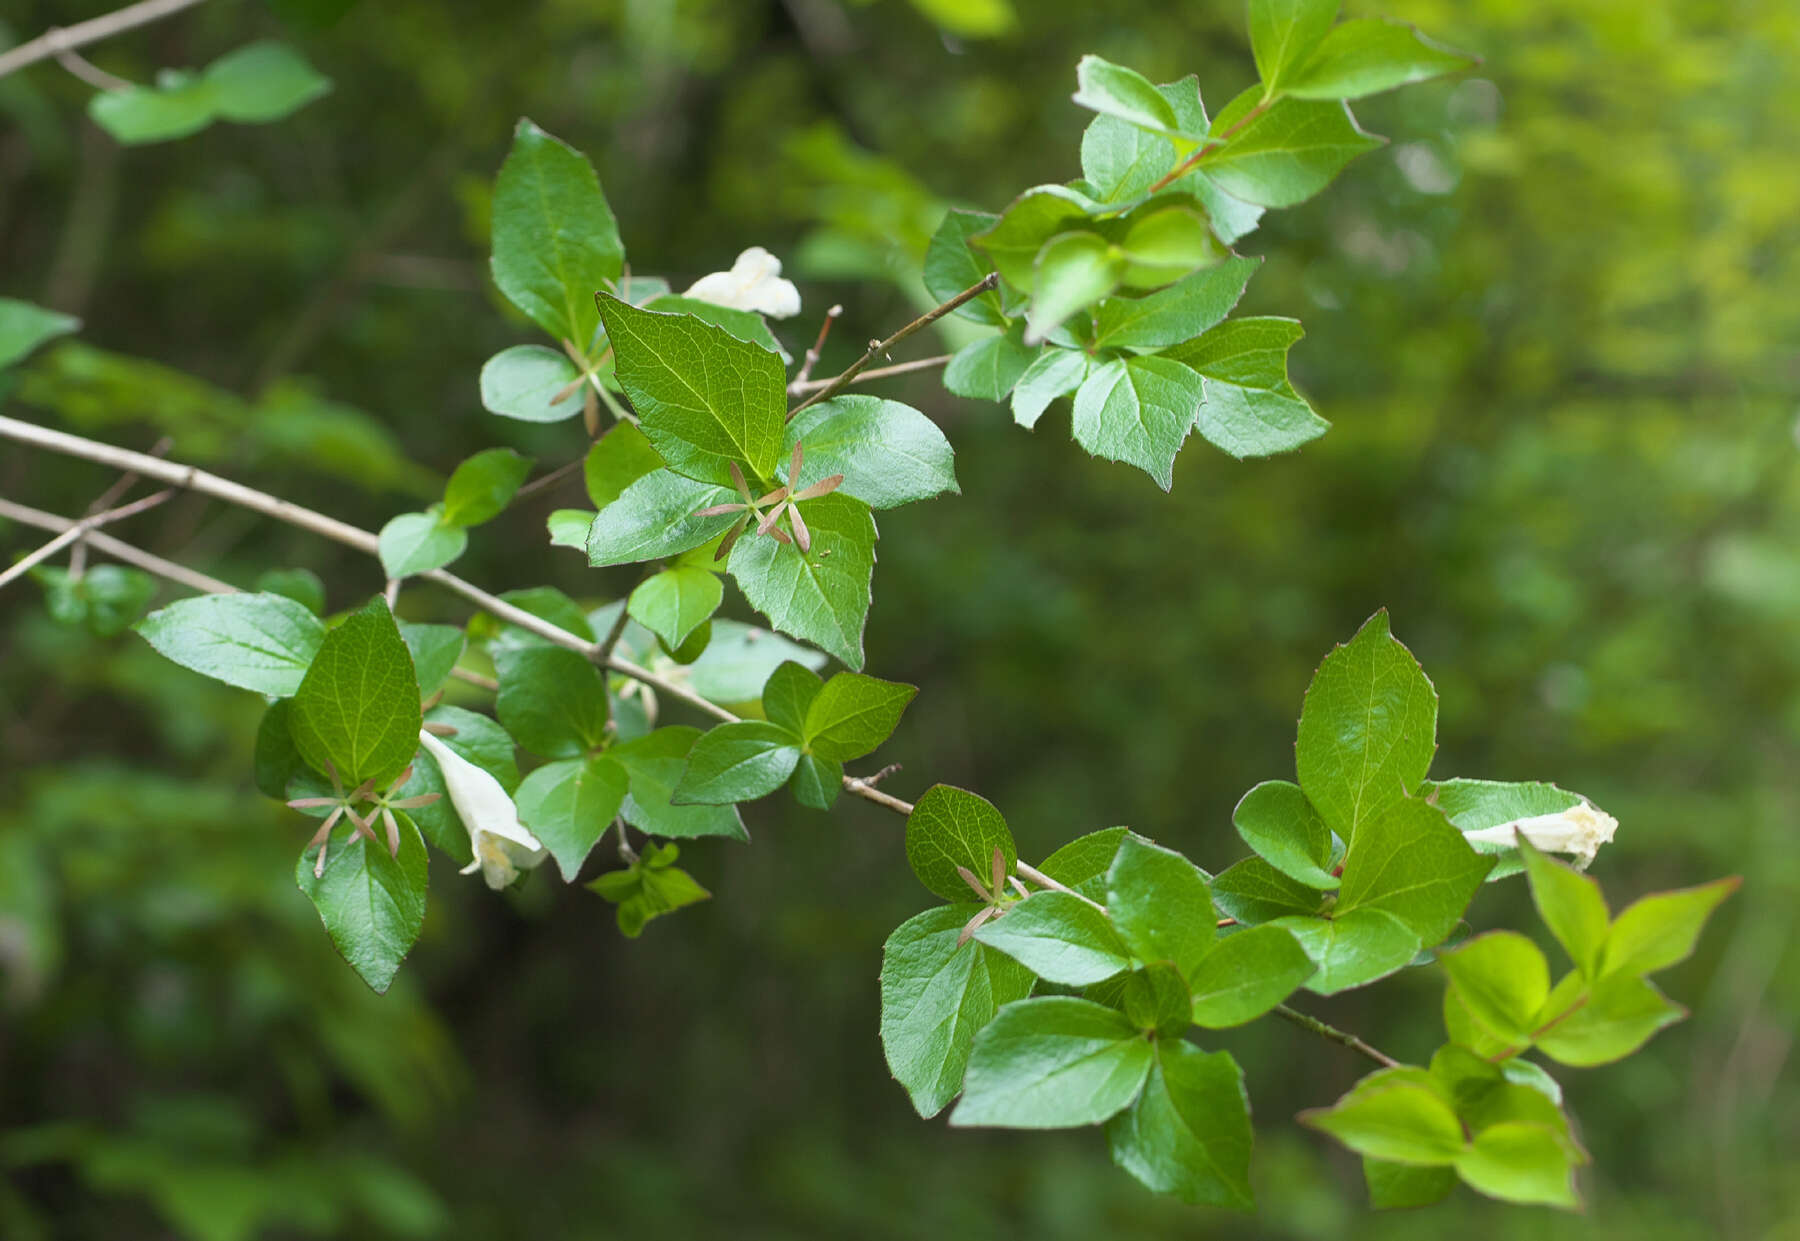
(554, 237)
(1185, 309)
(434, 649)
(552, 700)
(949, 828)
(1189, 1132)
(853, 714)
(1396, 1185)
(618, 459)
(1408, 862)
(1057, 372)
(1082, 864)
(987, 369)
(372, 904)
(656, 762)
(357, 710)
(23, 327)
(737, 762)
(481, 487)
(1352, 949)
(1253, 891)
(952, 266)
(1053, 1063)
(276, 760)
(788, 693)
(654, 518)
(821, 596)
(817, 782)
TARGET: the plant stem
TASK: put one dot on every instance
(812, 355)
(75, 531)
(67, 39)
(118, 550)
(1335, 1035)
(1042, 880)
(800, 386)
(1207, 148)
(879, 347)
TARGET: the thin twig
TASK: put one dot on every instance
(67, 39)
(89, 72)
(75, 531)
(812, 355)
(1045, 881)
(880, 347)
(1334, 1034)
(874, 373)
(475, 679)
(549, 480)
(118, 550)
(1209, 147)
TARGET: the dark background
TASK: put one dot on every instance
(1554, 325)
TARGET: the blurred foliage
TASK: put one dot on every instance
(1553, 324)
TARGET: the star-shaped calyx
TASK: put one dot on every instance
(767, 510)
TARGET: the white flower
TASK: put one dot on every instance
(753, 283)
(1578, 831)
(500, 842)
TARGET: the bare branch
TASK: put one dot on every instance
(55, 41)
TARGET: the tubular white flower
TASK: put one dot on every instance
(1579, 831)
(501, 845)
(753, 283)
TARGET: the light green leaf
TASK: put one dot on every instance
(618, 459)
(821, 596)
(1619, 1016)
(554, 237)
(787, 694)
(1502, 980)
(1249, 352)
(649, 888)
(743, 324)
(1156, 999)
(1256, 422)
(1138, 410)
(481, 487)
(654, 518)
(372, 904)
(853, 714)
(1408, 862)
(705, 398)
(675, 602)
(1371, 55)
(1284, 35)
(952, 266)
(1570, 904)
(1057, 936)
(1189, 1132)
(1660, 930)
(180, 104)
(1160, 903)
(1246, 975)
(1081, 865)
(1472, 805)
(1057, 372)
(935, 994)
(737, 762)
(357, 710)
(1073, 271)
(263, 81)
(1351, 949)
(1165, 243)
(303, 586)
(1183, 310)
(739, 660)
(1393, 1186)
(656, 763)
(521, 382)
(569, 527)
(987, 369)
(549, 604)
(414, 543)
(552, 700)
(1400, 1115)
(888, 453)
(949, 828)
(434, 650)
(1287, 154)
(1277, 821)
(23, 327)
(568, 805)
(1253, 891)
(1367, 731)
(1053, 1063)
(260, 642)
(1523, 1163)
(1012, 243)
(1114, 90)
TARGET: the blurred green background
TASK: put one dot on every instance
(1555, 326)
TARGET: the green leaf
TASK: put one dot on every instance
(180, 104)
(481, 741)
(1367, 731)
(1165, 243)
(1253, 415)
(372, 904)
(554, 237)
(1396, 1185)
(618, 459)
(651, 887)
(357, 709)
(1400, 1115)
(821, 596)
(1287, 154)
(1189, 1132)
(1053, 1063)
(853, 714)
(936, 992)
(656, 763)
(1523, 1163)
(949, 828)
(888, 453)
(1013, 241)
(739, 660)
(1138, 410)
(737, 762)
(704, 398)
(569, 805)
(1660, 930)
(1465, 1031)
(1057, 372)
(1408, 862)
(1570, 905)
(1155, 998)
(952, 266)
(654, 518)
(276, 761)
(788, 693)
(817, 782)
(1114, 90)
(1253, 891)
(1620, 1014)
(434, 650)
(675, 602)
(1472, 805)
(1502, 980)
(1160, 903)
(262, 81)
(1249, 352)
(523, 381)
(1073, 271)
(23, 327)
(414, 543)
(481, 487)
(1371, 55)
(1082, 864)
(1351, 949)
(746, 325)
(1185, 309)
(301, 585)
(549, 604)
(1284, 35)
(987, 369)
(1246, 975)
(569, 527)
(260, 642)
(1277, 821)
(1056, 935)
(552, 700)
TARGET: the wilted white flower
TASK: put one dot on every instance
(1578, 831)
(501, 845)
(753, 283)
